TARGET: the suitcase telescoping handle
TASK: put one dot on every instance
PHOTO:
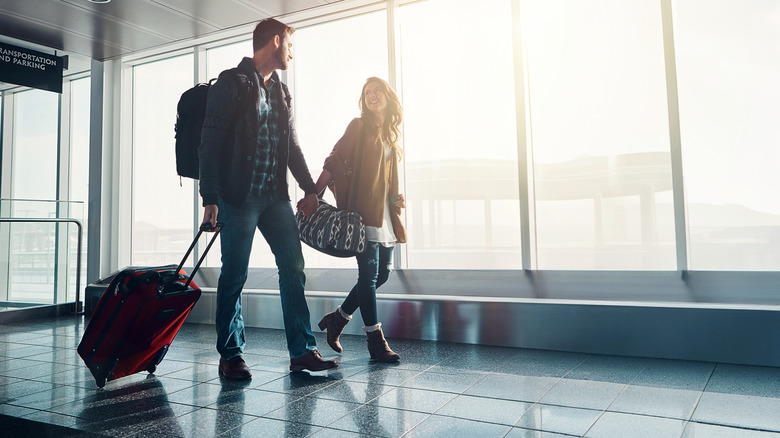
(206, 226)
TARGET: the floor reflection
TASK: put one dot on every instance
(128, 408)
(438, 389)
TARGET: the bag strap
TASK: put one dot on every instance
(243, 92)
(358, 167)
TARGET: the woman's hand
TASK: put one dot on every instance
(399, 201)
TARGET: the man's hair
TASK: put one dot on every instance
(266, 30)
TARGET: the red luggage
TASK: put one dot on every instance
(138, 316)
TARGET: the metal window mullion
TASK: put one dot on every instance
(199, 73)
(524, 155)
(7, 121)
(62, 178)
(395, 80)
(675, 141)
(120, 140)
(2, 139)
(95, 176)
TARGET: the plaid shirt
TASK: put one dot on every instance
(267, 138)
(226, 172)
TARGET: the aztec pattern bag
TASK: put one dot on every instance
(333, 231)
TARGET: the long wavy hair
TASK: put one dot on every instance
(391, 129)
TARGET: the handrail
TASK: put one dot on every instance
(40, 200)
(76, 310)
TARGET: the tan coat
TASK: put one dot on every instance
(378, 178)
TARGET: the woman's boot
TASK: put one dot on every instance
(378, 348)
(334, 322)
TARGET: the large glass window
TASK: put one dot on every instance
(35, 145)
(38, 260)
(32, 246)
(79, 140)
(332, 62)
(460, 135)
(600, 137)
(598, 134)
(163, 203)
(728, 61)
(225, 57)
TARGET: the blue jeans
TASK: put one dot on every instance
(274, 217)
(373, 271)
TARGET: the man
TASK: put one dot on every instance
(248, 142)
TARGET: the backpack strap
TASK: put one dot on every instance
(242, 85)
(244, 93)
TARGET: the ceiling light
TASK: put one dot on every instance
(99, 1)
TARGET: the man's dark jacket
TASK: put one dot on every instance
(229, 140)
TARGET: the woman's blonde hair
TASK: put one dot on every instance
(391, 130)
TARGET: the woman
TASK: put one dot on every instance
(365, 160)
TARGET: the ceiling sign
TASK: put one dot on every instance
(31, 68)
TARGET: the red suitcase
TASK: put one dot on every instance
(138, 316)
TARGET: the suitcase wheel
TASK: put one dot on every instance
(152, 367)
(100, 376)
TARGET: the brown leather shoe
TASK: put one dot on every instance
(378, 348)
(311, 361)
(234, 369)
(334, 323)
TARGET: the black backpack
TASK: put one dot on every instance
(190, 113)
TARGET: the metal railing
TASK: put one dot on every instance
(77, 308)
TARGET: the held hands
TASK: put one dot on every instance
(308, 205)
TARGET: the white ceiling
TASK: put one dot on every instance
(121, 27)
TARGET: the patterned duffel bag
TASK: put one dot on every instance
(333, 231)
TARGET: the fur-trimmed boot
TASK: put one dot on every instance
(334, 322)
(378, 348)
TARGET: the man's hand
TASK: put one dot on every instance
(210, 215)
(308, 205)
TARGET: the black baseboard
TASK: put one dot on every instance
(20, 427)
(36, 312)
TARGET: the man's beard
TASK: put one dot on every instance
(282, 58)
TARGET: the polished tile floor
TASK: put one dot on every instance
(438, 389)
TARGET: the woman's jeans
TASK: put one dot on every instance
(274, 217)
(373, 271)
